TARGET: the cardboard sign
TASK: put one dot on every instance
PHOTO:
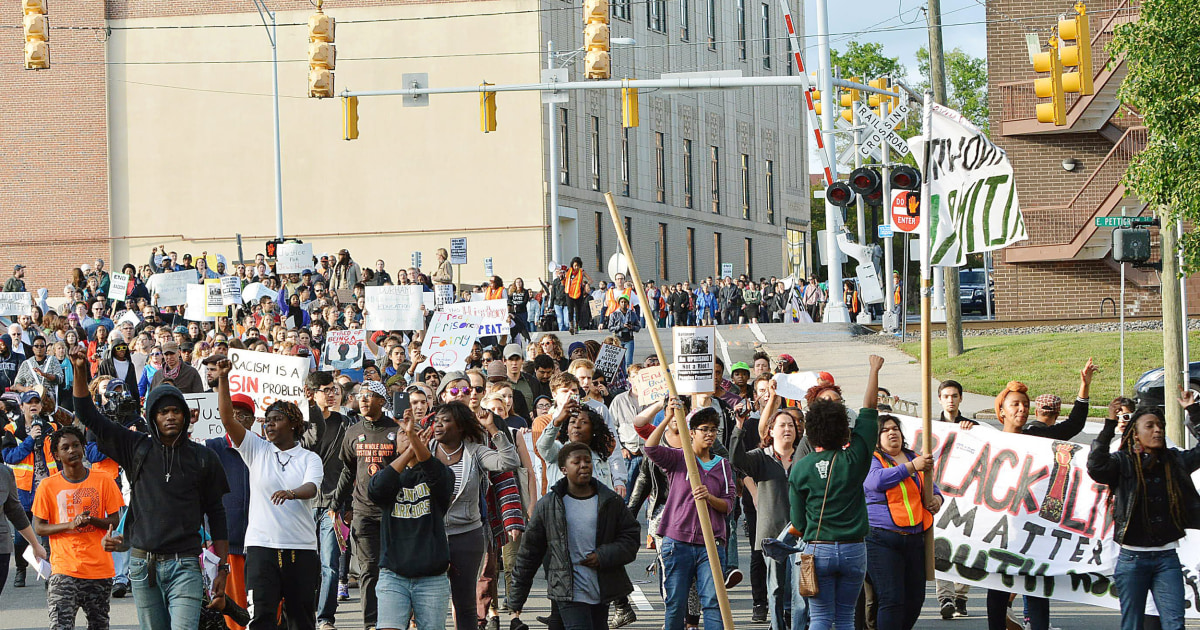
(394, 308)
(197, 304)
(695, 356)
(443, 294)
(266, 378)
(343, 350)
(448, 341)
(16, 304)
(609, 360)
(118, 286)
(596, 306)
(171, 288)
(293, 257)
(651, 384)
(231, 290)
(492, 315)
(214, 299)
(458, 251)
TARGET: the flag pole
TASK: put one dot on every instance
(927, 215)
(685, 440)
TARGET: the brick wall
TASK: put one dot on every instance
(53, 162)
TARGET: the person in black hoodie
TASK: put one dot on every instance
(583, 535)
(175, 484)
(324, 436)
(414, 492)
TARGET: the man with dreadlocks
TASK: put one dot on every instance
(1153, 502)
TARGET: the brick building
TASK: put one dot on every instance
(156, 113)
(1066, 176)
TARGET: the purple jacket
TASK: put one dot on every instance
(879, 481)
(679, 519)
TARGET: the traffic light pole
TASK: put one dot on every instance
(552, 175)
(263, 14)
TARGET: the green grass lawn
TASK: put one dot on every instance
(1049, 363)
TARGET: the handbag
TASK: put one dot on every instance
(808, 566)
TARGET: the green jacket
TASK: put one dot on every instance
(845, 516)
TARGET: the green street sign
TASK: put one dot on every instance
(1113, 222)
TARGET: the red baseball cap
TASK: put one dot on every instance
(242, 400)
(827, 377)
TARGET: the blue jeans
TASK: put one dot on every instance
(172, 601)
(632, 467)
(401, 598)
(896, 563)
(841, 568)
(330, 554)
(121, 561)
(682, 562)
(628, 353)
(1156, 572)
(785, 608)
(561, 313)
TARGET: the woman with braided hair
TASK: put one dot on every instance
(1153, 501)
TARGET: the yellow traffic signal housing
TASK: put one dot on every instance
(37, 35)
(597, 63)
(322, 54)
(1050, 87)
(629, 107)
(850, 96)
(1077, 55)
(350, 117)
(487, 110)
(848, 115)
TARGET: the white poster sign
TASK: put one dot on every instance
(448, 341)
(694, 359)
(197, 304)
(458, 251)
(231, 291)
(208, 425)
(15, 304)
(609, 360)
(118, 286)
(266, 378)
(171, 288)
(492, 315)
(343, 350)
(443, 294)
(293, 257)
(726, 270)
(487, 267)
(394, 308)
(794, 386)
(214, 298)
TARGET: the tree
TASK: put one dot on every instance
(1160, 52)
(967, 80)
(866, 61)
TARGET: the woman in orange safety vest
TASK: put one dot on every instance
(577, 298)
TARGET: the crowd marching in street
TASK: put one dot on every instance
(442, 495)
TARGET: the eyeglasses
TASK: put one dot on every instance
(328, 390)
(1124, 417)
(708, 428)
(42, 345)
(478, 389)
(458, 391)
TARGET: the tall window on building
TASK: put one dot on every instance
(594, 134)
(766, 35)
(745, 186)
(685, 19)
(601, 217)
(621, 10)
(749, 258)
(769, 181)
(717, 254)
(660, 168)
(711, 18)
(662, 251)
(691, 254)
(564, 144)
(741, 29)
(629, 229)
(625, 161)
(714, 172)
(656, 15)
(687, 173)
(796, 252)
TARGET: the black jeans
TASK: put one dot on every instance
(896, 564)
(997, 611)
(466, 554)
(580, 616)
(365, 532)
(290, 575)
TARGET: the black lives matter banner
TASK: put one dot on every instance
(1022, 515)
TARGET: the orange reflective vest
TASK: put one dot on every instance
(612, 295)
(904, 500)
(573, 283)
(494, 293)
(23, 471)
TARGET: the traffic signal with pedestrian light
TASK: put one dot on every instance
(839, 194)
(1131, 245)
(273, 247)
(596, 40)
(629, 107)
(905, 177)
(1076, 57)
(487, 110)
(37, 35)
(866, 182)
(350, 117)
(322, 54)
(1051, 86)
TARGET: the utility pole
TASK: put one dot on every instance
(552, 171)
(1173, 332)
(937, 81)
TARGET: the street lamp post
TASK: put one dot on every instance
(264, 14)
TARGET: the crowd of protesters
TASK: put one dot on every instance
(441, 496)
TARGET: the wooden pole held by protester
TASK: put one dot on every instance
(926, 341)
(685, 440)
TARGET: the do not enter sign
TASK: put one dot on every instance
(906, 210)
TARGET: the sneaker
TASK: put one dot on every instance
(19, 578)
(623, 615)
(732, 578)
(760, 614)
(120, 590)
(326, 625)
(1013, 620)
(343, 592)
(960, 608)
(947, 609)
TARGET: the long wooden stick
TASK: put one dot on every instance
(685, 439)
(926, 340)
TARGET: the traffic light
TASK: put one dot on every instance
(905, 177)
(1131, 245)
(322, 54)
(595, 39)
(866, 182)
(1077, 55)
(816, 98)
(879, 101)
(847, 100)
(350, 116)
(839, 194)
(1050, 87)
(37, 35)
(629, 107)
(487, 110)
(273, 247)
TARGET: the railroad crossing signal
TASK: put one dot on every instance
(880, 131)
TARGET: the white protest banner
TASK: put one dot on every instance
(448, 341)
(443, 294)
(197, 304)
(609, 360)
(651, 384)
(343, 350)
(118, 285)
(171, 288)
(214, 298)
(266, 378)
(458, 251)
(15, 304)
(394, 308)
(231, 291)
(1021, 514)
(794, 386)
(695, 348)
(973, 203)
(492, 315)
(293, 257)
(255, 291)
